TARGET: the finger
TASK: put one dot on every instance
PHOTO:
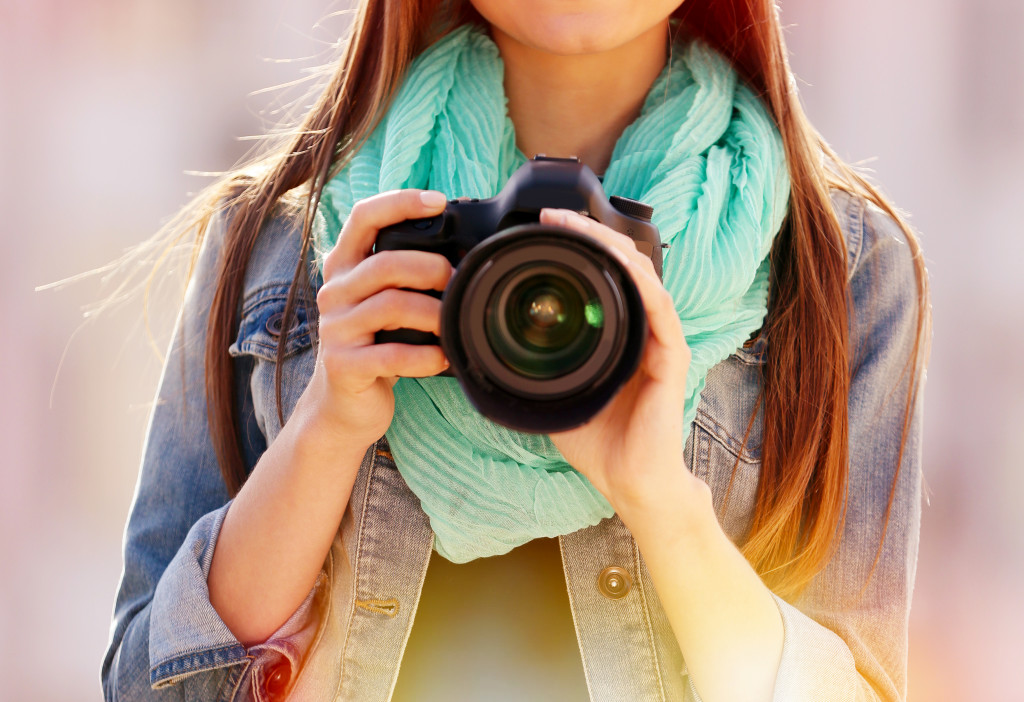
(368, 216)
(665, 327)
(618, 244)
(389, 309)
(617, 241)
(667, 356)
(354, 369)
(660, 307)
(418, 270)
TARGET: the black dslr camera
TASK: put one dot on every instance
(542, 325)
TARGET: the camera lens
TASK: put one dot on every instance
(543, 321)
(542, 326)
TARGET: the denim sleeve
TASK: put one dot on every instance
(167, 642)
(846, 636)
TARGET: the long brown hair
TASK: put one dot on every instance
(800, 504)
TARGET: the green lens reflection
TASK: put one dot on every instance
(547, 325)
(594, 314)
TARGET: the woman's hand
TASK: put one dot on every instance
(722, 615)
(631, 451)
(350, 392)
(280, 527)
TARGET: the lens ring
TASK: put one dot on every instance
(541, 250)
(539, 320)
(520, 403)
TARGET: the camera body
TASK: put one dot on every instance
(541, 324)
(544, 181)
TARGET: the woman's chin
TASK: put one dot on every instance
(567, 29)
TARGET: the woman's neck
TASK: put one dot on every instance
(578, 105)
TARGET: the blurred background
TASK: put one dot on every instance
(107, 105)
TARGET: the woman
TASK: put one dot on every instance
(746, 525)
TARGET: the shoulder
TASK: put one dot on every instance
(275, 252)
(886, 283)
(876, 244)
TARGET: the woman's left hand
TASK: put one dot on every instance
(632, 450)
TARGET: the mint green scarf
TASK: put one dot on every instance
(703, 152)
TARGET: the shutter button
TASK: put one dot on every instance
(278, 679)
(614, 582)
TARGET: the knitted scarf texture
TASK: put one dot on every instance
(703, 152)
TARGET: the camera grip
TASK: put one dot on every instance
(406, 336)
(409, 336)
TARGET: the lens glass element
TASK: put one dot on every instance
(543, 320)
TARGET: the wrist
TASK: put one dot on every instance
(682, 508)
(315, 439)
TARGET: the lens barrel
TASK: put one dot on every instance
(542, 326)
(543, 321)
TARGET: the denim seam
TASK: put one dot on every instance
(748, 357)
(855, 233)
(653, 648)
(717, 431)
(575, 622)
(702, 454)
(355, 572)
(412, 612)
(241, 677)
(295, 344)
(254, 302)
(168, 671)
(299, 338)
(322, 625)
(263, 292)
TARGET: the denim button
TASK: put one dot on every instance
(274, 323)
(277, 680)
(614, 582)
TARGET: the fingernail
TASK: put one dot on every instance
(555, 216)
(432, 198)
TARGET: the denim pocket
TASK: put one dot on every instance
(262, 321)
(255, 349)
(732, 476)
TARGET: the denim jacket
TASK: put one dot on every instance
(843, 641)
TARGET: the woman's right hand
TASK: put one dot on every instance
(350, 393)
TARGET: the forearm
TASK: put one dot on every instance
(280, 527)
(726, 622)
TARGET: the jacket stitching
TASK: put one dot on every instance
(355, 575)
(653, 648)
(239, 681)
(855, 234)
(326, 617)
(172, 669)
(575, 623)
(721, 435)
(297, 342)
(260, 294)
(747, 357)
(412, 613)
